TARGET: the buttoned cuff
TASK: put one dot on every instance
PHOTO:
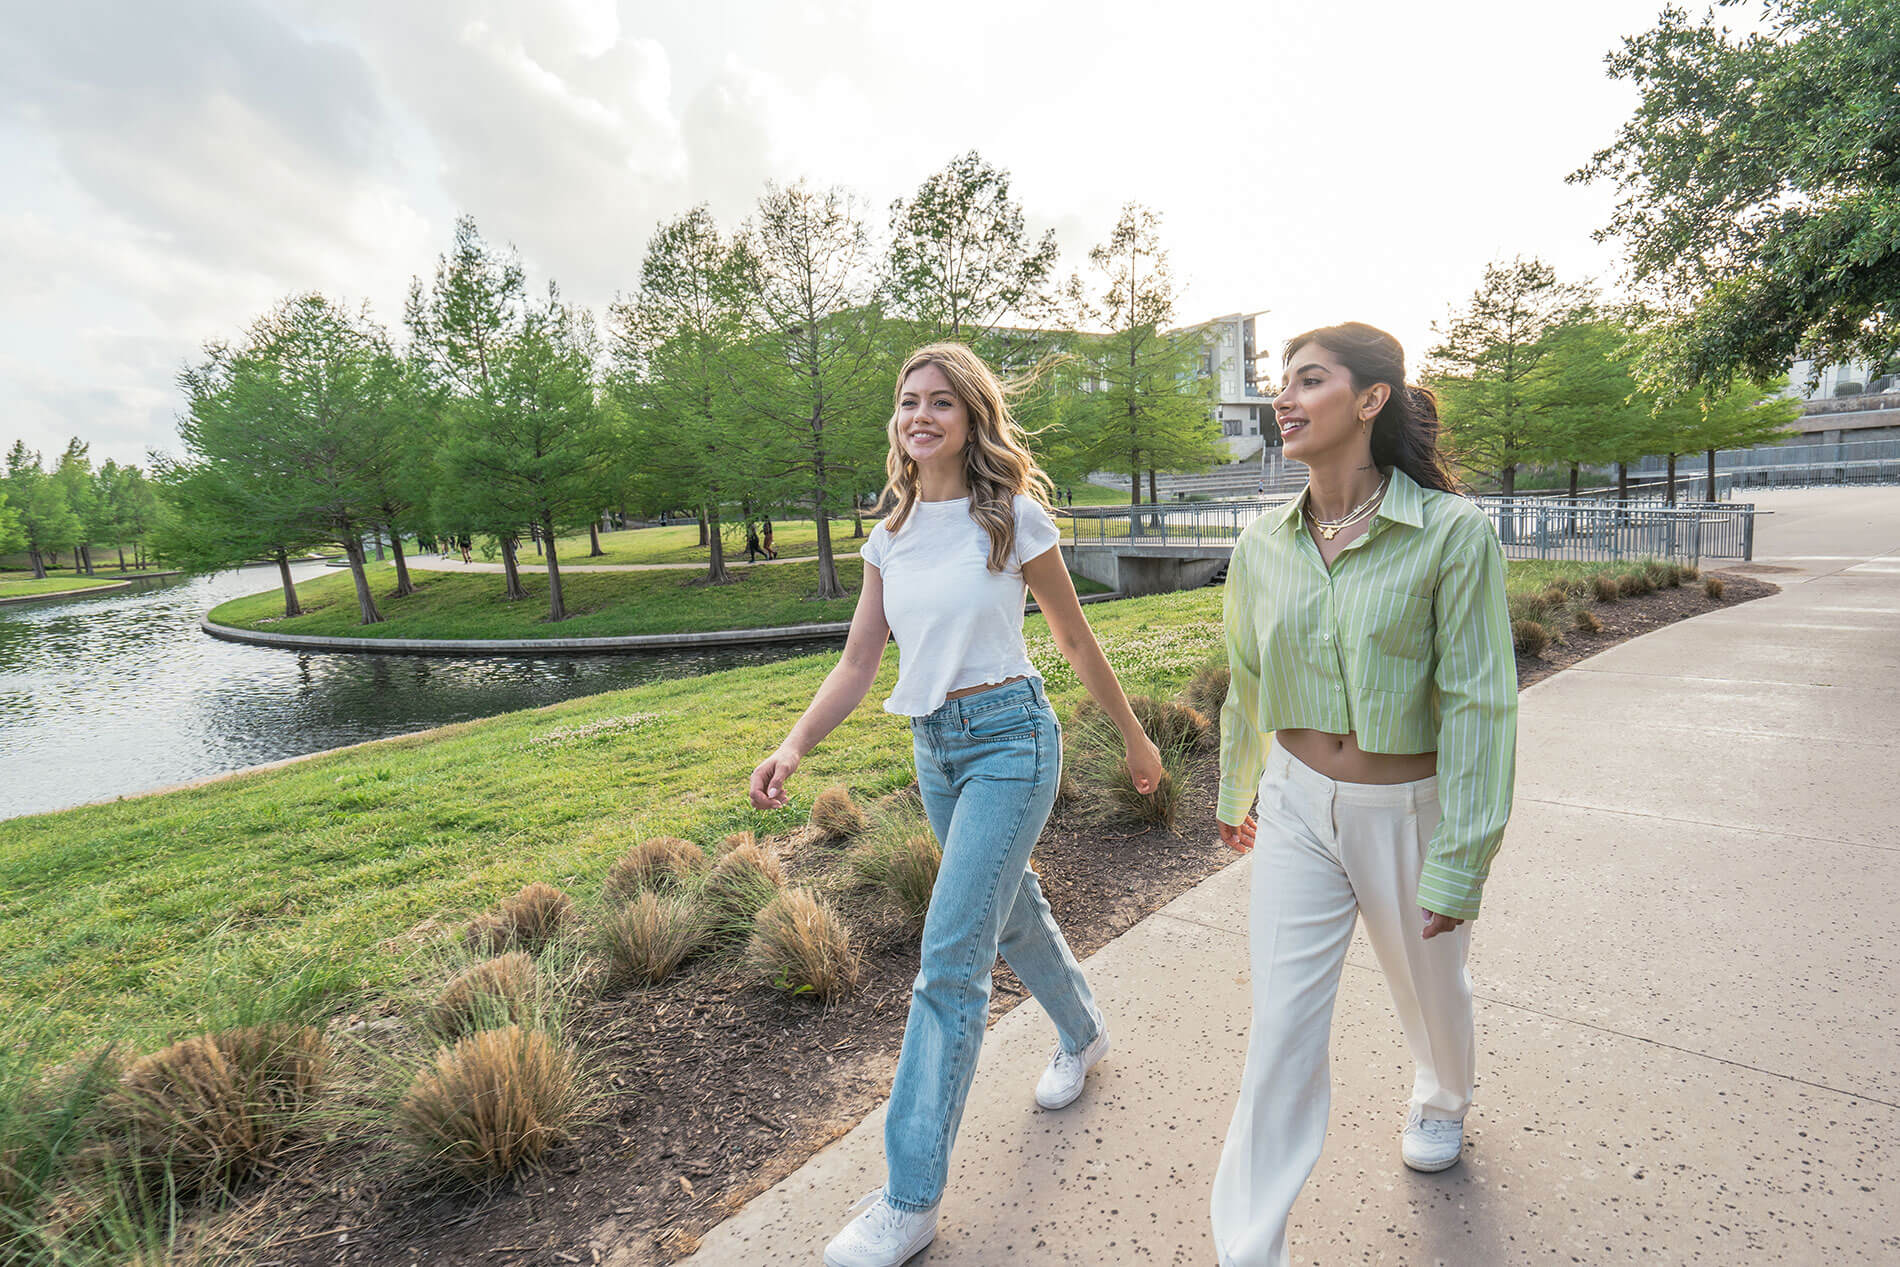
(1447, 890)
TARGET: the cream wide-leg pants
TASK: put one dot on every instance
(1327, 852)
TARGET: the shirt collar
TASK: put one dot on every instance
(1403, 503)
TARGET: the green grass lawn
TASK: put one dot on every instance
(111, 915)
(55, 583)
(601, 604)
(470, 604)
(679, 543)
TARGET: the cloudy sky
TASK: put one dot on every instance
(175, 166)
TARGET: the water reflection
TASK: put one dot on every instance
(105, 696)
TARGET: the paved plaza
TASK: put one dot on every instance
(1688, 969)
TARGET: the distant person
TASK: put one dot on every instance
(752, 547)
(1369, 638)
(765, 539)
(467, 543)
(945, 572)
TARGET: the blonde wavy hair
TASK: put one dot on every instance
(996, 458)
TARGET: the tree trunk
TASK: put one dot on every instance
(828, 586)
(377, 536)
(557, 604)
(1572, 531)
(1708, 494)
(1154, 498)
(291, 606)
(510, 567)
(85, 553)
(121, 550)
(593, 539)
(39, 565)
(702, 527)
(403, 587)
(1623, 482)
(857, 523)
(534, 535)
(1134, 478)
(1669, 487)
(1510, 480)
(716, 573)
(353, 547)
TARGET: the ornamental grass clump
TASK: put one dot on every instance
(1636, 584)
(903, 864)
(527, 921)
(648, 939)
(209, 1111)
(492, 1102)
(737, 887)
(733, 841)
(1207, 689)
(1097, 755)
(1713, 587)
(800, 945)
(835, 815)
(1172, 724)
(43, 1117)
(1606, 587)
(504, 990)
(1530, 637)
(1586, 621)
(662, 864)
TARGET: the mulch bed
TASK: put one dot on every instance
(716, 1087)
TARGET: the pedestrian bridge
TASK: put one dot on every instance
(1157, 549)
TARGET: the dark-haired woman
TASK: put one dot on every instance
(1368, 636)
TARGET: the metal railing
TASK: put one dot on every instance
(1528, 527)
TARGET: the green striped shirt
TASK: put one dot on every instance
(1405, 643)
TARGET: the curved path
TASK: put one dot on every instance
(1689, 978)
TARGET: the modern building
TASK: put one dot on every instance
(1845, 402)
(1244, 412)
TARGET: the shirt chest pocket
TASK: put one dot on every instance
(1394, 630)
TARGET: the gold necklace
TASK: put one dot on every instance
(1330, 528)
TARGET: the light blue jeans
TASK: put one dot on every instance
(987, 765)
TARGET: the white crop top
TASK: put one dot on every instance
(957, 623)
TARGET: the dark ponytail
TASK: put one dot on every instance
(1405, 434)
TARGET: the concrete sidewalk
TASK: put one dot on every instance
(1689, 981)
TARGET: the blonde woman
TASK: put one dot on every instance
(1368, 634)
(945, 573)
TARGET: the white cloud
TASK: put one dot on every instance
(176, 166)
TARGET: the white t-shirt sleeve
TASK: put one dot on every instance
(1035, 530)
(873, 549)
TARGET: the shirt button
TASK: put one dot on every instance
(1338, 687)
(1325, 637)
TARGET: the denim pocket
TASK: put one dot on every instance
(1012, 721)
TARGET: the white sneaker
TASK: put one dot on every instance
(882, 1236)
(1431, 1144)
(1062, 1081)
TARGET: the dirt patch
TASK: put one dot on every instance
(1626, 618)
(715, 1087)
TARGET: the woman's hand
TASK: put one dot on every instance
(1436, 924)
(1239, 839)
(1144, 762)
(768, 781)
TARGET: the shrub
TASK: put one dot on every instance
(904, 865)
(1530, 636)
(646, 940)
(836, 815)
(1712, 586)
(800, 945)
(1097, 755)
(1172, 724)
(1207, 689)
(212, 1109)
(492, 1102)
(739, 884)
(1637, 583)
(1606, 587)
(501, 990)
(1587, 622)
(662, 863)
(527, 921)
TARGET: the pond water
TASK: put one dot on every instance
(123, 693)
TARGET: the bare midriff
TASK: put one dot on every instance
(986, 686)
(1339, 757)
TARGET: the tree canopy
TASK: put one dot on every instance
(1759, 187)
